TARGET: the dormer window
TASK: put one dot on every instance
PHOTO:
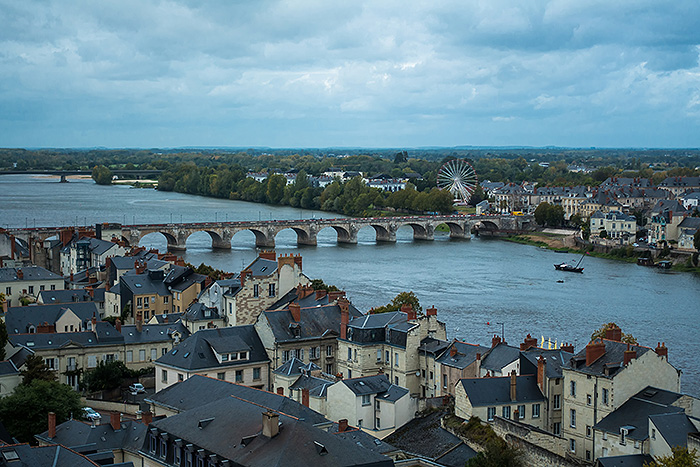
(224, 357)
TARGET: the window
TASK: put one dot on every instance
(329, 351)
(42, 287)
(256, 374)
(365, 399)
(239, 376)
(145, 303)
(359, 423)
(329, 368)
(396, 359)
(556, 428)
(256, 290)
(556, 405)
(350, 374)
(589, 399)
(444, 380)
(378, 423)
(521, 411)
(139, 302)
(572, 445)
(31, 289)
(8, 290)
(349, 353)
(301, 354)
(588, 455)
(573, 418)
(623, 436)
(92, 361)
(177, 455)
(490, 413)
(431, 375)
(653, 433)
(396, 380)
(605, 452)
(605, 436)
(164, 350)
(271, 290)
(164, 376)
(588, 431)
(166, 299)
(506, 411)
(180, 377)
(386, 356)
(53, 286)
(142, 355)
(379, 355)
(50, 363)
(152, 444)
(606, 396)
(224, 357)
(163, 449)
(535, 410)
(221, 376)
(285, 356)
(573, 389)
(154, 354)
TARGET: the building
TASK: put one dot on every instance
(603, 200)
(619, 228)
(10, 376)
(686, 233)
(602, 377)
(372, 403)
(500, 360)
(12, 455)
(27, 282)
(511, 397)
(88, 252)
(229, 354)
(88, 294)
(691, 201)
(460, 360)
(389, 343)
(680, 185)
(69, 317)
(198, 317)
(666, 216)
(511, 197)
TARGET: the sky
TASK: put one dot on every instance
(321, 73)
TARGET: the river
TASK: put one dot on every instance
(470, 282)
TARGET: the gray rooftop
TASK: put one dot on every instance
(24, 455)
(496, 391)
(377, 384)
(555, 359)
(315, 322)
(632, 460)
(71, 296)
(75, 433)
(607, 365)
(496, 358)
(154, 333)
(18, 319)
(30, 273)
(674, 427)
(465, 354)
(294, 366)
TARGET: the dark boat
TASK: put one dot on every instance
(664, 265)
(645, 261)
(570, 267)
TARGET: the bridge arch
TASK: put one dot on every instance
(346, 234)
(457, 230)
(421, 231)
(385, 233)
(151, 240)
(305, 236)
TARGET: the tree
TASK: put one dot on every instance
(25, 412)
(542, 213)
(680, 457)
(3, 334)
(403, 298)
(35, 369)
(497, 454)
(600, 334)
(102, 175)
(106, 375)
(318, 284)
(696, 240)
(603, 234)
(275, 188)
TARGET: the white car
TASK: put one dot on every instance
(91, 414)
(137, 388)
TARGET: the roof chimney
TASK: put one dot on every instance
(541, 372)
(410, 312)
(630, 355)
(280, 391)
(567, 348)
(270, 424)
(495, 341)
(52, 424)
(139, 321)
(305, 397)
(268, 254)
(432, 311)
(342, 425)
(661, 350)
(320, 294)
(115, 420)
(344, 305)
(295, 309)
(594, 351)
(513, 392)
(118, 325)
(20, 274)
(453, 350)
(335, 295)
(614, 334)
(146, 417)
(529, 342)
(297, 261)
(94, 321)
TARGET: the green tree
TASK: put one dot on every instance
(497, 454)
(106, 375)
(35, 369)
(542, 213)
(102, 175)
(3, 333)
(603, 234)
(696, 240)
(600, 334)
(25, 412)
(555, 216)
(275, 188)
(403, 298)
(318, 284)
(680, 457)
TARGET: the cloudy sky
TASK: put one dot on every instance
(380, 73)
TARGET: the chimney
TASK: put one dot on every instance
(432, 311)
(541, 372)
(594, 351)
(513, 392)
(280, 391)
(52, 424)
(410, 312)
(567, 348)
(270, 424)
(92, 280)
(344, 317)
(139, 321)
(661, 350)
(94, 321)
(20, 274)
(342, 425)
(115, 420)
(71, 277)
(305, 397)
(453, 350)
(297, 261)
(614, 334)
(529, 342)
(118, 325)
(146, 417)
(268, 254)
(495, 341)
(335, 295)
(320, 294)
(107, 286)
(477, 369)
(295, 309)
(12, 246)
(629, 355)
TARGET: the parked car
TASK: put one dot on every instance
(91, 414)
(137, 388)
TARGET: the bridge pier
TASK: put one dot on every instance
(427, 233)
(386, 233)
(308, 239)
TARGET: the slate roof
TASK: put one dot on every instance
(97, 246)
(432, 346)
(164, 318)
(262, 267)
(298, 443)
(497, 357)
(198, 390)
(681, 182)
(315, 322)
(19, 318)
(668, 205)
(465, 356)
(105, 334)
(153, 332)
(8, 368)
(692, 223)
(317, 386)
(41, 456)
(674, 427)
(294, 366)
(627, 181)
(141, 284)
(71, 296)
(635, 412)
(607, 365)
(633, 460)
(496, 391)
(199, 350)
(199, 312)
(555, 359)
(377, 384)
(30, 273)
(78, 434)
(20, 356)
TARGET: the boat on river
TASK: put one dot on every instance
(570, 267)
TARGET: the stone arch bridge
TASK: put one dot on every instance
(221, 233)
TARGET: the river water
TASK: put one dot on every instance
(479, 286)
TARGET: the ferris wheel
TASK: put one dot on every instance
(459, 178)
